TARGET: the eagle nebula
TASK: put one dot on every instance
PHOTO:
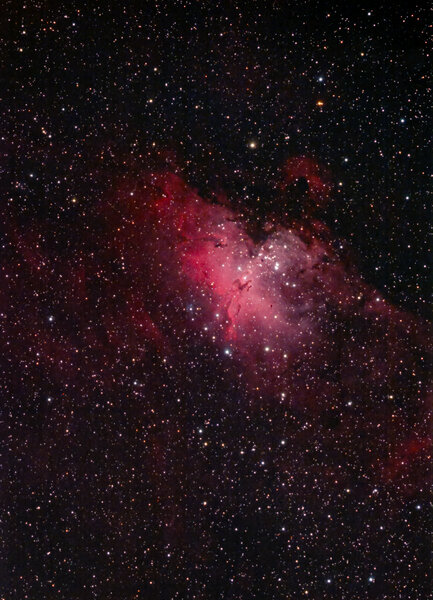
(213, 393)
(215, 366)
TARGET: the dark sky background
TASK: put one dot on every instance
(277, 116)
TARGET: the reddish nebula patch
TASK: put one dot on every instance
(171, 273)
(316, 178)
(301, 325)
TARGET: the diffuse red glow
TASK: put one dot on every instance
(173, 272)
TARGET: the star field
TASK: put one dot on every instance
(214, 305)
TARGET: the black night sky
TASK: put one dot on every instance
(214, 301)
